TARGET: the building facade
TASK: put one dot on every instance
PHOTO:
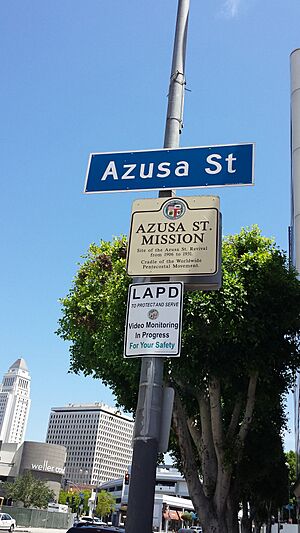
(98, 440)
(14, 403)
(171, 498)
(45, 461)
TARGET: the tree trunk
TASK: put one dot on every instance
(246, 524)
(207, 442)
(232, 517)
(213, 524)
(232, 510)
(269, 526)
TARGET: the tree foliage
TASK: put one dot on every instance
(262, 474)
(30, 491)
(291, 460)
(105, 504)
(94, 317)
(73, 499)
(240, 347)
(187, 517)
(291, 463)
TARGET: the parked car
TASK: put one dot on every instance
(96, 528)
(191, 529)
(7, 522)
(85, 520)
(89, 524)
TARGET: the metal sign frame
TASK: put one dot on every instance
(208, 206)
(155, 307)
(198, 179)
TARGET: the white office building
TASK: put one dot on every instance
(98, 439)
(14, 403)
(171, 499)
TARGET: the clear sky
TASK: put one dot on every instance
(92, 76)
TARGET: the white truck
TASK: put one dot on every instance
(57, 507)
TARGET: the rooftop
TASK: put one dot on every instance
(19, 363)
(97, 406)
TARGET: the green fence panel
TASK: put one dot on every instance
(39, 517)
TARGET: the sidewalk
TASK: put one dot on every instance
(20, 529)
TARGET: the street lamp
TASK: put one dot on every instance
(70, 482)
(83, 476)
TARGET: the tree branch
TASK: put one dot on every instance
(234, 420)
(190, 468)
(224, 471)
(195, 433)
(208, 455)
(249, 408)
(216, 417)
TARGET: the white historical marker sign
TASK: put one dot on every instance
(153, 322)
(174, 237)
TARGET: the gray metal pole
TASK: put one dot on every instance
(174, 121)
(295, 155)
(295, 198)
(148, 416)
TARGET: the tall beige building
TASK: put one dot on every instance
(14, 402)
(98, 440)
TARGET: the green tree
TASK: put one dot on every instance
(236, 343)
(291, 460)
(291, 463)
(64, 497)
(263, 475)
(105, 504)
(74, 501)
(187, 517)
(30, 491)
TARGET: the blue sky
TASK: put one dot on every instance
(92, 76)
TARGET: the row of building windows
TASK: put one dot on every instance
(23, 383)
(98, 442)
(8, 382)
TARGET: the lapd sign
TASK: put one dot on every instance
(174, 237)
(153, 321)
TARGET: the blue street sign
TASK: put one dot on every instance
(179, 168)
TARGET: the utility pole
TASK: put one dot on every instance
(148, 415)
(174, 120)
(294, 243)
(295, 161)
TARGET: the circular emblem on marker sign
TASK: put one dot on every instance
(153, 314)
(174, 209)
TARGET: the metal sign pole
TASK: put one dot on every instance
(174, 121)
(148, 415)
(295, 144)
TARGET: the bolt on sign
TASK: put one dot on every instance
(175, 237)
(154, 320)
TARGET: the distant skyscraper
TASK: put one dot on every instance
(14, 402)
(98, 441)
